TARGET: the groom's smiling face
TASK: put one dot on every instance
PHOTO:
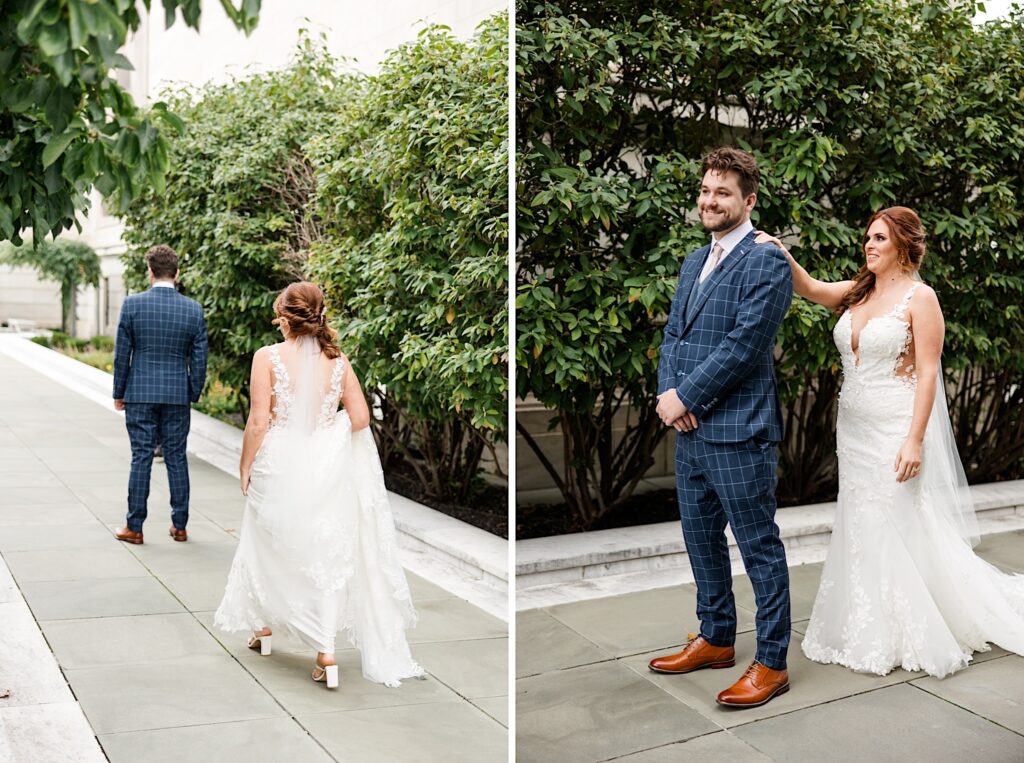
(721, 203)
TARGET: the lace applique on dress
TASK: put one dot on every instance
(904, 369)
(333, 396)
(283, 397)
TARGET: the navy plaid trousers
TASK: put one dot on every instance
(735, 483)
(168, 425)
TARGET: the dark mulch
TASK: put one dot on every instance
(542, 520)
(546, 519)
(487, 509)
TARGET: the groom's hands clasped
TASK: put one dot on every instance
(673, 413)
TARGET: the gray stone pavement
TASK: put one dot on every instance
(131, 626)
(584, 692)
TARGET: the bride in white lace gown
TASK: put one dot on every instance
(317, 553)
(901, 585)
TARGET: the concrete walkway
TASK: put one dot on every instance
(584, 692)
(129, 628)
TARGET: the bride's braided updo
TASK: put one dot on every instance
(300, 309)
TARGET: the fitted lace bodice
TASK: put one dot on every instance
(284, 392)
(882, 352)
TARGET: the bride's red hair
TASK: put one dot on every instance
(300, 308)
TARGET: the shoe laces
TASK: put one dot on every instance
(752, 669)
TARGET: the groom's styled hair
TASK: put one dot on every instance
(163, 261)
(729, 159)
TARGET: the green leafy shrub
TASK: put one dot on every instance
(849, 107)
(43, 341)
(102, 343)
(413, 192)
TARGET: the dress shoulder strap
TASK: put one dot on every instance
(276, 363)
(336, 374)
(900, 308)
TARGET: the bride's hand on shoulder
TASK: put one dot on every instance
(908, 460)
(767, 238)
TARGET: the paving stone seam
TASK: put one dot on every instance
(669, 744)
(673, 698)
(948, 701)
(901, 682)
(460, 694)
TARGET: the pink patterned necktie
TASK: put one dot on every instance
(713, 260)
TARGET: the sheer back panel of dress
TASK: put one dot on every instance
(290, 364)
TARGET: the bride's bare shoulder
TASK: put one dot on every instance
(924, 295)
(262, 355)
(924, 304)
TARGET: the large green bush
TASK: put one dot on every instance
(237, 203)
(849, 107)
(414, 195)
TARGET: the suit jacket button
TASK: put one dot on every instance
(680, 373)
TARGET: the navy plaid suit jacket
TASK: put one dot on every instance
(161, 349)
(721, 362)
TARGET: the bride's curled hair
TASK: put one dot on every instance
(300, 309)
(907, 234)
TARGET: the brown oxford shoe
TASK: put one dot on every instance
(758, 685)
(128, 536)
(179, 535)
(697, 654)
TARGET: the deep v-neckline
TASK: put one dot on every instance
(890, 313)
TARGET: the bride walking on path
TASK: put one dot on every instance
(317, 551)
(901, 586)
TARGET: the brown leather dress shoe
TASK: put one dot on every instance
(179, 535)
(697, 654)
(128, 536)
(759, 684)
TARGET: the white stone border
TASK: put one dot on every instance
(461, 558)
(576, 567)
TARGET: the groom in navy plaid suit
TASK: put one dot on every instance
(159, 368)
(716, 387)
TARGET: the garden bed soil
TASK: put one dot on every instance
(489, 509)
(542, 520)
